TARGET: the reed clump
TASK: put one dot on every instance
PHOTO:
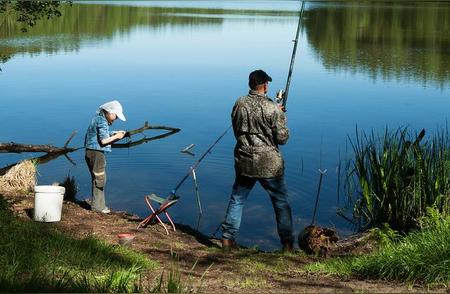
(19, 178)
(71, 187)
(395, 177)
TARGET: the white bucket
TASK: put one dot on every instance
(48, 201)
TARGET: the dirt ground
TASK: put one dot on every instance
(242, 271)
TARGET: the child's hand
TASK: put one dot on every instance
(120, 134)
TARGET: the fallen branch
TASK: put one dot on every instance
(19, 148)
(38, 160)
(70, 138)
(54, 152)
(143, 140)
(140, 130)
(149, 127)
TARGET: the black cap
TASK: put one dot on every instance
(258, 77)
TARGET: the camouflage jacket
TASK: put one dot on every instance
(259, 127)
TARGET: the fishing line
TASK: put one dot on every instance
(196, 164)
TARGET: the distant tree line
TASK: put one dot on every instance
(29, 12)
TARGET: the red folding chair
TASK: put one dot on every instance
(164, 204)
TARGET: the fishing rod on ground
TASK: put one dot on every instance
(282, 96)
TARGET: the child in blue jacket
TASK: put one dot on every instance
(98, 140)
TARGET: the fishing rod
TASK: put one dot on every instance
(174, 191)
(282, 96)
(172, 198)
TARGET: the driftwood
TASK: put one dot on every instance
(146, 126)
(142, 141)
(38, 160)
(317, 240)
(54, 152)
(149, 127)
(19, 148)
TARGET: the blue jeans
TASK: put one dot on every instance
(276, 187)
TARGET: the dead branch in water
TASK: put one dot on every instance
(149, 127)
(39, 160)
(19, 148)
(54, 152)
(146, 126)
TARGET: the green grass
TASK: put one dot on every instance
(394, 177)
(173, 282)
(34, 257)
(420, 257)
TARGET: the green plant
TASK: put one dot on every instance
(420, 257)
(393, 178)
(71, 188)
(384, 235)
(434, 219)
(71, 265)
(175, 283)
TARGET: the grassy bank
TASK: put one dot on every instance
(35, 257)
(420, 257)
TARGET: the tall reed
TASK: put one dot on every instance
(394, 177)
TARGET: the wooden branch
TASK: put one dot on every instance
(146, 126)
(70, 138)
(143, 140)
(19, 148)
(54, 152)
(38, 160)
(149, 127)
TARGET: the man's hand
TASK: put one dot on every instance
(281, 107)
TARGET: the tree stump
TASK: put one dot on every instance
(317, 240)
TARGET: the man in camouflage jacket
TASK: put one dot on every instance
(259, 126)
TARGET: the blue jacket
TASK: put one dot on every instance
(97, 131)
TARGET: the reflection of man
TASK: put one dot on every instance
(259, 126)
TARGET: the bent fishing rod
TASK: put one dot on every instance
(196, 164)
(283, 96)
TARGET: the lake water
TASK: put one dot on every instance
(184, 63)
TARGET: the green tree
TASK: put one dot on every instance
(29, 12)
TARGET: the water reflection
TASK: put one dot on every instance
(87, 23)
(387, 41)
(185, 67)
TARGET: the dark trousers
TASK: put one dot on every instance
(96, 163)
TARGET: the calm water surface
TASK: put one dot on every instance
(184, 63)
